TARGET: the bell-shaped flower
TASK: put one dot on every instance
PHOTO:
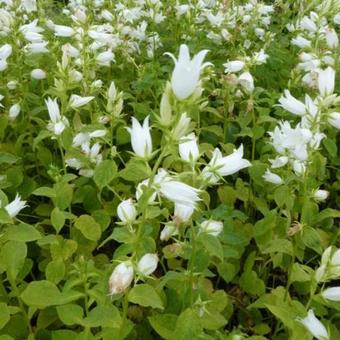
(334, 119)
(78, 101)
(292, 105)
(220, 166)
(211, 227)
(332, 293)
(233, 66)
(326, 81)
(14, 111)
(57, 123)
(141, 141)
(15, 206)
(147, 264)
(121, 278)
(170, 229)
(182, 213)
(320, 195)
(314, 326)
(186, 75)
(126, 211)
(38, 74)
(272, 178)
(188, 148)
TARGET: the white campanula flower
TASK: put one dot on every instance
(336, 19)
(175, 191)
(37, 47)
(38, 74)
(63, 31)
(331, 38)
(14, 111)
(182, 213)
(279, 162)
(308, 24)
(260, 57)
(291, 104)
(57, 123)
(12, 85)
(126, 211)
(301, 42)
(147, 264)
(326, 81)
(246, 80)
(314, 326)
(233, 66)
(169, 230)
(141, 141)
(212, 227)
(15, 206)
(85, 137)
(334, 119)
(272, 178)
(105, 58)
(186, 75)
(121, 278)
(188, 148)
(332, 294)
(320, 195)
(220, 166)
(78, 101)
(5, 51)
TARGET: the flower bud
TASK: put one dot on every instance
(165, 108)
(78, 101)
(326, 81)
(332, 294)
(38, 74)
(314, 326)
(14, 111)
(188, 148)
(320, 195)
(126, 211)
(233, 66)
(182, 127)
(212, 227)
(169, 230)
(147, 264)
(121, 278)
(334, 119)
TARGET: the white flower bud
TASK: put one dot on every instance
(332, 294)
(169, 230)
(121, 278)
(233, 66)
(326, 81)
(314, 326)
(182, 127)
(165, 109)
(334, 119)
(38, 74)
(14, 111)
(320, 195)
(78, 101)
(272, 178)
(212, 227)
(126, 211)
(147, 264)
(188, 148)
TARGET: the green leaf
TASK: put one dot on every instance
(8, 158)
(311, 239)
(188, 326)
(70, 314)
(146, 296)
(103, 316)
(134, 171)
(57, 219)
(279, 246)
(331, 147)
(283, 196)
(163, 324)
(22, 232)
(4, 217)
(88, 227)
(55, 271)
(44, 191)
(64, 194)
(4, 314)
(41, 294)
(12, 258)
(263, 229)
(104, 173)
(212, 244)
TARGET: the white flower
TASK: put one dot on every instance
(246, 80)
(78, 101)
(182, 127)
(326, 81)
(175, 191)
(291, 104)
(279, 162)
(182, 213)
(15, 206)
(332, 293)
(105, 58)
(336, 19)
(141, 141)
(307, 24)
(301, 42)
(63, 31)
(185, 77)
(121, 278)
(37, 47)
(14, 111)
(260, 57)
(188, 148)
(320, 195)
(212, 227)
(331, 38)
(233, 66)
(170, 229)
(57, 123)
(5, 51)
(220, 166)
(314, 326)
(334, 119)
(126, 211)
(38, 74)
(147, 264)
(272, 178)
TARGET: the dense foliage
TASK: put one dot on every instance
(169, 169)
